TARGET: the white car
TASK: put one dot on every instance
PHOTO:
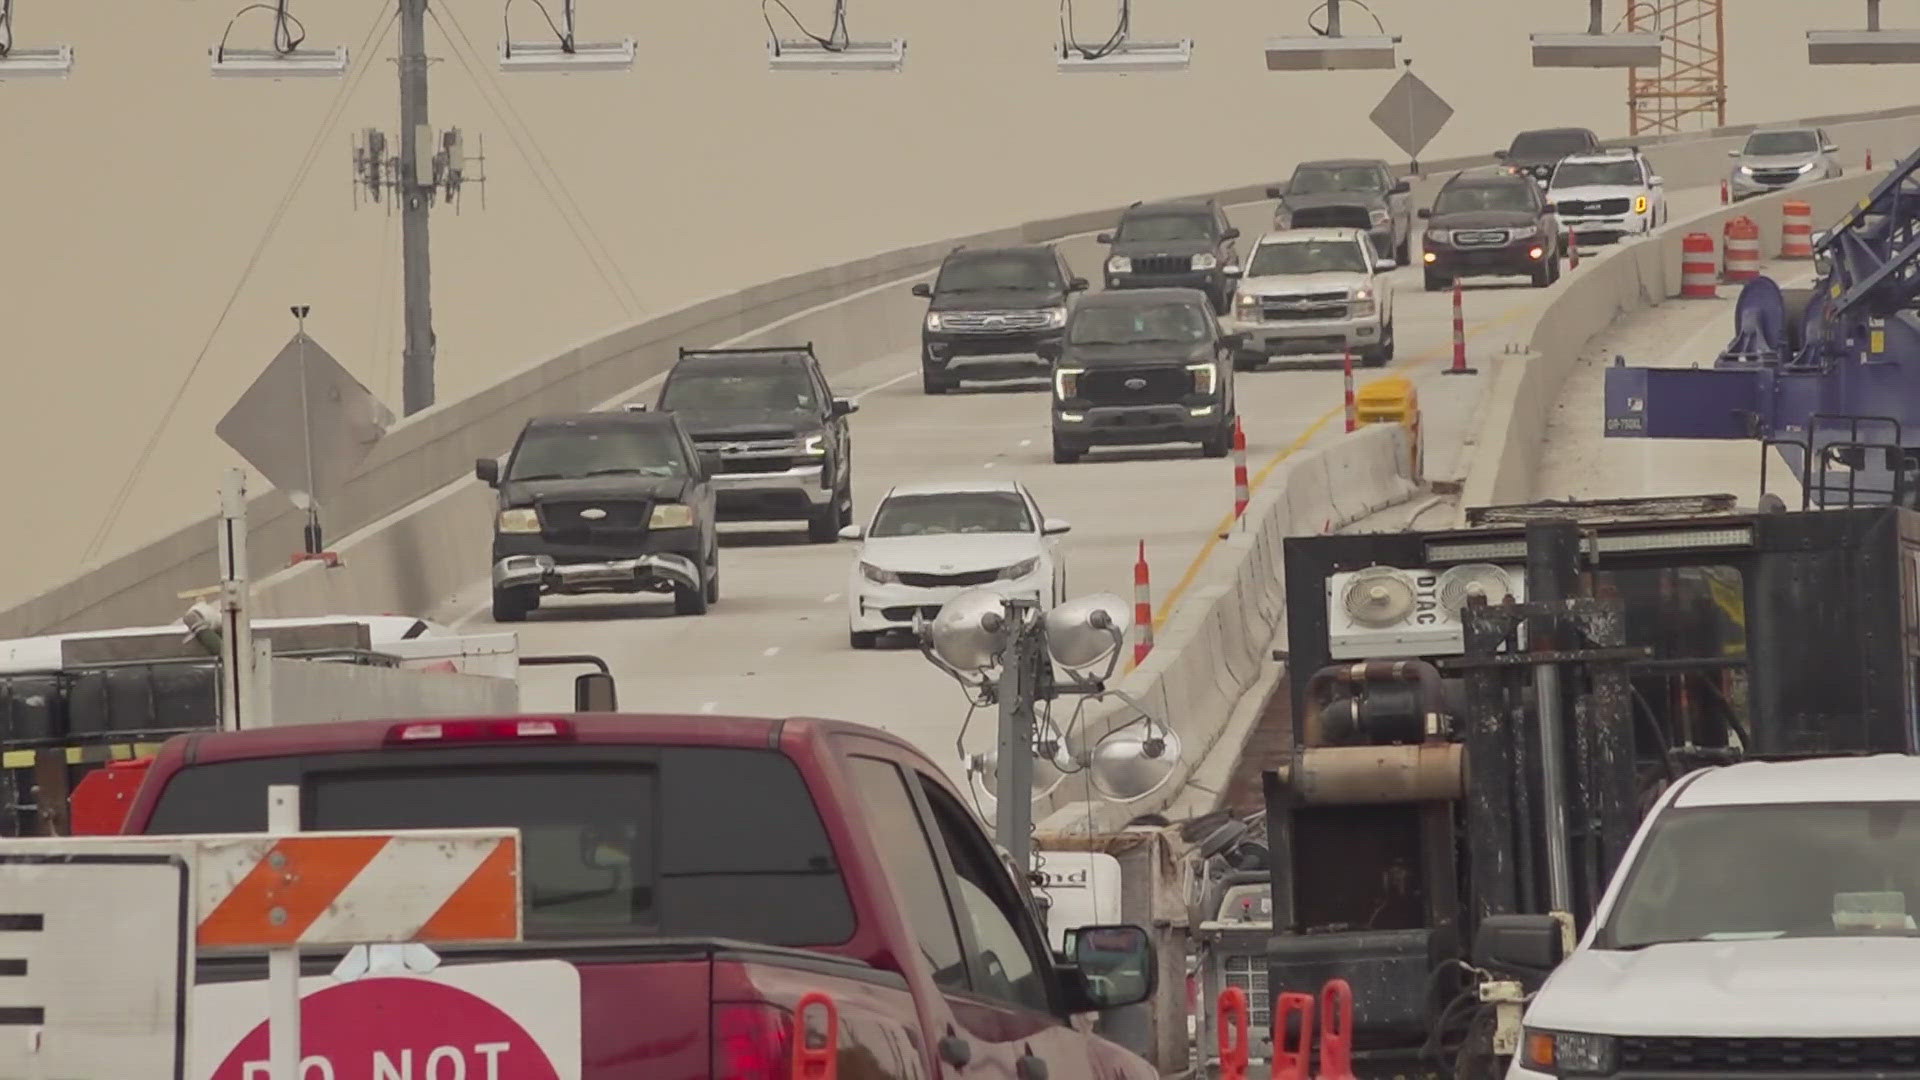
(1612, 194)
(929, 542)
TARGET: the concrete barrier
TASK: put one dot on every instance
(853, 312)
(1505, 454)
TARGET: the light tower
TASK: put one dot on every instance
(1688, 90)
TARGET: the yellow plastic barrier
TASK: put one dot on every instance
(1391, 399)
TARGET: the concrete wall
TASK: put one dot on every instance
(408, 561)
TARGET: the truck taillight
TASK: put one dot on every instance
(752, 1042)
(499, 730)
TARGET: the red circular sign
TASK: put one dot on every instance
(375, 1028)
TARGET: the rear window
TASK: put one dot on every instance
(675, 841)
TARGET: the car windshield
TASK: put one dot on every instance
(1467, 198)
(1719, 873)
(1323, 179)
(1155, 227)
(573, 453)
(1765, 143)
(945, 512)
(1609, 173)
(780, 389)
(1135, 324)
(1306, 257)
(1540, 144)
(985, 272)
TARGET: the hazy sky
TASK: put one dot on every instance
(136, 191)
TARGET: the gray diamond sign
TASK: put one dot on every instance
(305, 423)
(1411, 114)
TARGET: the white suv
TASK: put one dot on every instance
(1314, 292)
(1612, 194)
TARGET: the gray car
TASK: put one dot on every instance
(1780, 158)
(1349, 193)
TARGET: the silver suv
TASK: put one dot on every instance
(1781, 158)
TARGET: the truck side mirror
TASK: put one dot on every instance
(1733, 153)
(924, 290)
(1230, 234)
(1400, 187)
(1111, 967)
(1048, 351)
(1078, 284)
(1499, 155)
(709, 463)
(844, 407)
(594, 692)
(1276, 193)
(1523, 945)
(488, 470)
(1424, 213)
(1104, 238)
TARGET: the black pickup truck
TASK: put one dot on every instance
(603, 502)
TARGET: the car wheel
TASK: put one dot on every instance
(1244, 360)
(1404, 253)
(1065, 453)
(1218, 444)
(1543, 275)
(843, 506)
(863, 639)
(823, 525)
(1385, 352)
(931, 382)
(512, 605)
(1435, 283)
(692, 601)
(713, 582)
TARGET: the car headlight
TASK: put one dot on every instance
(1640, 204)
(814, 445)
(1363, 304)
(1283, 219)
(1019, 570)
(1567, 1053)
(1205, 261)
(933, 320)
(1119, 264)
(1247, 307)
(670, 516)
(519, 520)
(1066, 382)
(1522, 234)
(1379, 217)
(1804, 169)
(1439, 236)
(876, 575)
(1205, 377)
(1745, 170)
(1056, 318)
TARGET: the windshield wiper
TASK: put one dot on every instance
(625, 470)
(535, 476)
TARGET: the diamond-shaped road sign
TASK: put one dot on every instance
(305, 423)
(1411, 114)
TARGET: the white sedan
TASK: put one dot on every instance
(929, 542)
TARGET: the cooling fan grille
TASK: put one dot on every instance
(1378, 597)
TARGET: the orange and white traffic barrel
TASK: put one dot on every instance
(1699, 274)
(1743, 250)
(1142, 608)
(1796, 230)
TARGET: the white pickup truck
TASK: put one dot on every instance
(1761, 923)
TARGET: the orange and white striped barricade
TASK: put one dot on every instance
(112, 926)
(1796, 230)
(1242, 491)
(1699, 276)
(1142, 608)
(1743, 250)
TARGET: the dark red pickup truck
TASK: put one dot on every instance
(687, 881)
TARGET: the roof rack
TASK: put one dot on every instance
(761, 350)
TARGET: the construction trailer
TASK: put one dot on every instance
(1481, 715)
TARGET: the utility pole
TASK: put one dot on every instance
(416, 194)
(1024, 673)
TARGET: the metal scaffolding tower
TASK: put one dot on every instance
(1689, 91)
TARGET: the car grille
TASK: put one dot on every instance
(1593, 206)
(906, 612)
(936, 581)
(1303, 308)
(992, 322)
(1332, 217)
(754, 455)
(626, 520)
(1158, 385)
(1479, 237)
(1776, 176)
(1162, 264)
(1775, 1056)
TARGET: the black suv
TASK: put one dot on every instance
(1535, 153)
(603, 502)
(780, 434)
(1490, 222)
(1185, 243)
(989, 306)
(1141, 367)
(1349, 193)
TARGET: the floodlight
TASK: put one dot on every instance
(55, 61)
(1052, 762)
(1863, 46)
(843, 56)
(970, 630)
(556, 56)
(274, 64)
(1632, 50)
(1321, 52)
(1131, 58)
(1083, 633)
(1134, 761)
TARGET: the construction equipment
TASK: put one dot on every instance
(1827, 377)
(1572, 659)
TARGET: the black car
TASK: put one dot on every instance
(1349, 193)
(1534, 153)
(1143, 367)
(1185, 243)
(780, 434)
(990, 309)
(1490, 222)
(603, 502)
